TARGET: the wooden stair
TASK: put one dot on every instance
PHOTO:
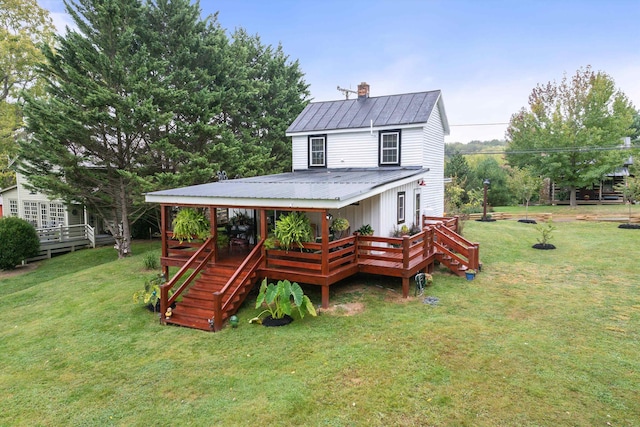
(451, 263)
(195, 309)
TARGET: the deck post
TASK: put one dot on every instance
(213, 226)
(325, 251)
(325, 296)
(163, 233)
(406, 244)
(217, 311)
(405, 287)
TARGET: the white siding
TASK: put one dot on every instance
(411, 147)
(433, 158)
(359, 149)
(352, 150)
(389, 206)
(299, 152)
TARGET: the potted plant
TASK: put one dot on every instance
(470, 274)
(365, 230)
(189, 224)
(150, 294)
(279, 304)
(293, 229)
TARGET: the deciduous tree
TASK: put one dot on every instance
(24, 26)
(572, 130)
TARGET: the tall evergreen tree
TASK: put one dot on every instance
(150, 96)
(88, 135)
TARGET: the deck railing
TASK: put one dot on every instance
(63, 233)
(197, 262)
(465, 252)
(235, 285)
(406, 249)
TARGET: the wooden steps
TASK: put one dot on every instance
(195, 308)
(452, 264)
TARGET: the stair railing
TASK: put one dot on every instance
(248, 266)
(453, 244)
(197, 262)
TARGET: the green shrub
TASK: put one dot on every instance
(151, 261)
(19, 242)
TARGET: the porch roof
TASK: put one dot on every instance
(325, 188)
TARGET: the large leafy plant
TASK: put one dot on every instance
(190, 223)
(150, 294)
(281, 299)
(293, 229)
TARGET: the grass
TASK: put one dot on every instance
(538, 338)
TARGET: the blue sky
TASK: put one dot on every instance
(485, 56)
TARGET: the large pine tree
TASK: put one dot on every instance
(151, 96)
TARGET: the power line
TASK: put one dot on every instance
(480, 124)
(550, 150)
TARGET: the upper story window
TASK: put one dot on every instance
(318, 151)
(389, 148)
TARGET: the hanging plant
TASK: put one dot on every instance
(189, 224)
(339, 224)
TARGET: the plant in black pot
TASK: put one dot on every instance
(280, 300)
(150, 294)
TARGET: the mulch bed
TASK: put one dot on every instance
(630, 226)
(544, 246)
(527, 221)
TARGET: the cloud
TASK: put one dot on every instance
(61, 21)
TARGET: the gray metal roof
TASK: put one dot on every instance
(389, 110)
(306, 188)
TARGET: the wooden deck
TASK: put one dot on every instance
(220, 278)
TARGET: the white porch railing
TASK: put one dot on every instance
(67, 233)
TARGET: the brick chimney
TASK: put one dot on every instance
(363, 91)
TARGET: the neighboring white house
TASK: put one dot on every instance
(371, 160)
(38, 209)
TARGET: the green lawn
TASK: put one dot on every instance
(540, 338)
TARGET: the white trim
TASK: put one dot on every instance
(324, 150)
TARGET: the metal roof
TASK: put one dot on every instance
(404, 109)
(328, 188)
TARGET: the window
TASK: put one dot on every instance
(13, 207)
(416, 208)
(44, 215)
(318, 151)
(31, 213)
(389, 148)
(56, 214)
(401, 206)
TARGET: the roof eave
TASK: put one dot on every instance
(278, 203)
(361, 129)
